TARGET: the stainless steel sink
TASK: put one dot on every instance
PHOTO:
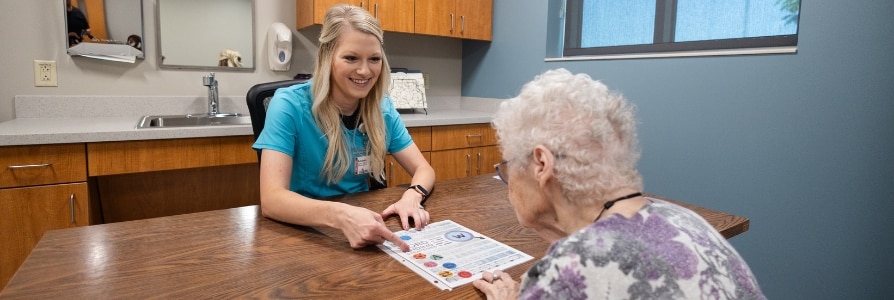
(197, 120)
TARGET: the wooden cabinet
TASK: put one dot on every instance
(468, 19)
(156, 178)
(393, 15)
(41, 188)
(463, 150)
(124, 157)
(394, 172)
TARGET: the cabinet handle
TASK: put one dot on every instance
(361, 4)
(462, 24)
(468, 165)
(29, 166)
(478, 171)
(391, 172)
(452, 23)
(71, 205)
(376, 9)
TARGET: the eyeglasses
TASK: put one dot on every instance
(500, 171)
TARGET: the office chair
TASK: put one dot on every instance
(258, 98)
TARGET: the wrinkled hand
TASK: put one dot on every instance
(497, 285)
(364, 227)
(408, 207)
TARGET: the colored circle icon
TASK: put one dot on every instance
(436, 257)
(419, 256)
(464, 274)
(430, 264)
(459, 236)
(405, 237)
(449, 265)
(446, 274)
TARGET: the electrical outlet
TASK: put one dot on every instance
(45, 73)
(425, 79)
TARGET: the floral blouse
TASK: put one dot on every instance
(665, 251)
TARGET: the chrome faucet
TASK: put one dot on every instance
(213, 101)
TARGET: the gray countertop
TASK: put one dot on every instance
(107, 124)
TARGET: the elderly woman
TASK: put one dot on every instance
(571, 151)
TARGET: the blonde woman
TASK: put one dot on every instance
(329, 136)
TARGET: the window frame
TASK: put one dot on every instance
(665, 23)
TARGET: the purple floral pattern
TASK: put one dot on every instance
(663, 252)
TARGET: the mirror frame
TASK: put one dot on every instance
(142, 35)
(254, 51)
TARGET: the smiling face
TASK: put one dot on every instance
(356, 65)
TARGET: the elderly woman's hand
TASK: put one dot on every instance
(497, 285)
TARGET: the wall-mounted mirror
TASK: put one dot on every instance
(105, 29)
(206, 34)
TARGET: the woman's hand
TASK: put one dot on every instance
(364, 227)
(408, 207)
(497, 285)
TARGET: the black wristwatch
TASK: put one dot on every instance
(421, 190)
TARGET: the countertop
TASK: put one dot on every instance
(100, 119)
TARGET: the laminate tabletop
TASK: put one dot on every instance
(237, 253)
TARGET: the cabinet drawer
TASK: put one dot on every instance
(462, 136)
(110, 158)
(42, 164)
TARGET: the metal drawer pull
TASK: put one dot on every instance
(71, 204)
(462, 24)
(473, 135)
(452, 23)
(29, 166)
(478, 171)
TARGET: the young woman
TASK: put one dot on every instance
(329, 136)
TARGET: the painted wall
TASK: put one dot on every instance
(36, 31)
(801, 144)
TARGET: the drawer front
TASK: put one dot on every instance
(462, 136)
(111, 158)
(42, 164)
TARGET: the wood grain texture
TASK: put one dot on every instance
(111, 158)
(66, 163)
(236, 253)
(27, 213)
(128, 197)
(462, 136)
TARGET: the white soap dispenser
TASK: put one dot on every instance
(279, 47)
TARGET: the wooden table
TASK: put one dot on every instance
(236, 253)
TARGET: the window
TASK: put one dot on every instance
(610, 27)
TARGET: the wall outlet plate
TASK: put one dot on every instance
(45, 73)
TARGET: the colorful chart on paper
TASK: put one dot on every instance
(449, 255)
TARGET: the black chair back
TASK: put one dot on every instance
(258, 98)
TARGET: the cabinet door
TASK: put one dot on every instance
(29, 212)
(396, 174)
(486, 158)
(394, 15)
(450, 164)
(435, 17)
(474, 19)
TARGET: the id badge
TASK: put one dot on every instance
(361, 165)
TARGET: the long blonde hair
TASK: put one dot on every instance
(340, 18)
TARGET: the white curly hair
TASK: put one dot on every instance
(590, 129)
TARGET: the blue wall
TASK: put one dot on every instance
(799, 143)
